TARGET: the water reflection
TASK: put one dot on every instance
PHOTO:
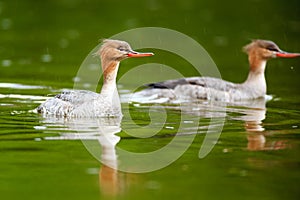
(253, 115)
(100, 135)
(93, 132)
(251, 112)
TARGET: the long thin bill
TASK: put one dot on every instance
(287, 55)
(135, 54)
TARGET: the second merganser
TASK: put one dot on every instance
(208, 88)
(82, 103)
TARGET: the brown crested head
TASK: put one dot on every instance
(114, 50)
(117, 50)
(264, 49)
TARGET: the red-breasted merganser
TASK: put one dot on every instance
(81, 103)
(208, 88)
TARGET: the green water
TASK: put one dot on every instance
(43, 43)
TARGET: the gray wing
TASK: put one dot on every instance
(76, 96)
(65, 102)
(209, 82)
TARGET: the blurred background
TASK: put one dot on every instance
(43, 43)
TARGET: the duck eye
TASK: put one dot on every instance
(271, 48)
(121, 49)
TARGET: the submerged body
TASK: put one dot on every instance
(208, 88)
(81, 103)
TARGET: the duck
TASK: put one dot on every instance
(209, 88)
(84, 103)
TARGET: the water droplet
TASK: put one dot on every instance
(46, 58)
(6, 63)
(225, 150)
(76, 79)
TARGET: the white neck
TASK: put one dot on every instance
(256, 78)
(109, 83)
(109, 89)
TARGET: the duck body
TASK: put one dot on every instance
(209, 88)
(82, 103)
